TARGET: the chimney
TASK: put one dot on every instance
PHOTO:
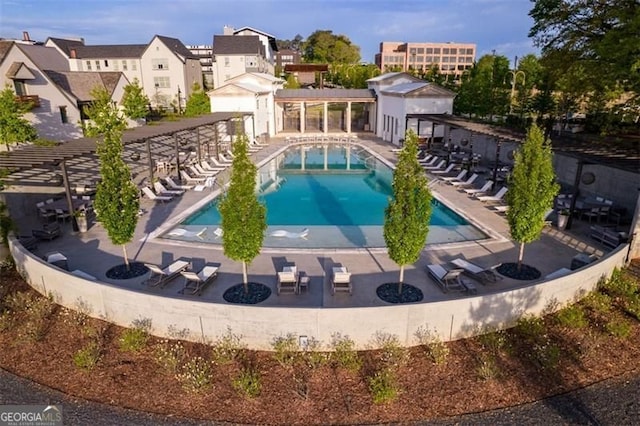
(25, 36)
(227, 30)
(72, 54)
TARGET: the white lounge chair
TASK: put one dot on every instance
(438, 166)
(181, 232)
(217, 163)
(341, 280)
(465, 183)
(288, 280)
(445, 171)
(558, 273)
(197, 180)
(161, 190)
(457, 178)
(427, 160)
(208, 167)
(195, 171)
(485, 276)
(485, 188)
(287, 234)
(174, 185)
(159, 276)
(493, 198)
(196, 282)
(450, 279)
(152, 196)
(225, 159)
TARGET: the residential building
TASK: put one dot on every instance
(164, 68)
(267, 40)
(204, 52)
(286, 57)
(41, 76)
(451, 58)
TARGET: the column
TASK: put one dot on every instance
(349, 117)
(303, 156)
(326, 155)
(348, 157)
(325, 118)
(303, 114)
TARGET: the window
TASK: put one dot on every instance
(97, 65)
(429, 59)
(429, 51)
(134, 65)
(445, 59)
(445, 51)
(453, 51)
(160, 64)
(412, 51)
(124, 65)
(469, 51)
(436, 51)
(226, 61)
(420, 59)
(88, 63)
(420, 50)
(396, 125)
(20, 88)
(162, 82)
(257, 103)
(115, 66)
(63, 114)
(106, 63)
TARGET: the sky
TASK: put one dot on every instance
(500, 25)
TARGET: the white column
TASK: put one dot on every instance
(325, 119)
(303, 113)
(348, 117)
(302, 157)
(326, 155)
(348, 157)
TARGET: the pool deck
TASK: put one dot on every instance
(93, 253)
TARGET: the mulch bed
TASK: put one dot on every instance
(389, 293)
(257, 293)
(121, 272)
(525, 272)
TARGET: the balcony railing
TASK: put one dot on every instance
(33, 100)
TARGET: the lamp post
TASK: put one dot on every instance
(514, 78)
(179, 102)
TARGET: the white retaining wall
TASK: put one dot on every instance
(258, 326)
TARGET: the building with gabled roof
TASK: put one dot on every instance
(235, 55)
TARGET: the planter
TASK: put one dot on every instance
(83, 223)
(562, 221)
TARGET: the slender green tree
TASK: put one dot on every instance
(117, 202)
(532, 188)
(134, 102)
(243, 216)
(198, 103)
(406, 221)
(13, 127)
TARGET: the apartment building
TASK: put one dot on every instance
(204, 53)
(451, 58)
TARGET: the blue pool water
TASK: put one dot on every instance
(338, 192)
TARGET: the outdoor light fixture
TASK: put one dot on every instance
(588, 178)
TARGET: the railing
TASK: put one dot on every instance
(33, 100)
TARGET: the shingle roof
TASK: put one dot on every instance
(5, 46)
(237, 45)
(80, 83)
(110, 51)
(45, 58)
(66, 45)
(177, 47)
(324, 94)
(422, 88)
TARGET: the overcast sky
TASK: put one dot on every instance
(500, 25)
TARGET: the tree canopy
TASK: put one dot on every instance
(134, 101)
(407, 215)
(198, 103)
(117, 202)
(14, 128)
(325, 47)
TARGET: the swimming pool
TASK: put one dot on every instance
(339, 193)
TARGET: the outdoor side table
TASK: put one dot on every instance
(304, 281)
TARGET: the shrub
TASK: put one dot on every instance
(227, 348)
(248, 382)
(618, 328)
(134, 339)
(493, 340)
(546, 355)
(392, 353)
(87, 357)
(195, 375)
(487, 367)
(383, 386)
(530, 327)
(344, 353)
(285, 349)
(313, 355)
(170, 355)
(620, 284)
(598, 302)
(572, 316)
(435, 348)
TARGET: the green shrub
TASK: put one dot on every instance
(434, 347)
(133, 339)
(487, 367)
(285, 349)
(572, 316)
(620, 284)
(344, 353)
(392, 353)
(530, 327)
(313, 355)
(248, 382)
(598, 302)
(227, 348)
(383, 386)
(546, 355)
(195, 375)
(618, 328)
(170, 355)
(493, 341)
(87, 357)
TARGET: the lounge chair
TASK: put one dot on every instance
(450, 279)
(217, 163)
(161, 276)
(281, 233)
(48, 232)
(162, 191)
(195, 171)
(445, 171)
(485, 276)
(465, 183)
(457, 178)
(341, 280)
(484, 189)
(197, 180)
(288, 280)
(57, 259)
(196, 282)
(208, 167)
(174, 185)
(181, 232)
(152, 196)
(438, 166)
(558, 273)
(493, 198)
(28, 242)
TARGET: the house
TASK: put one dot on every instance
(267, 40)
(250, 92)
(164, 67)
(400, 96)
(237, 55)
(41, 76)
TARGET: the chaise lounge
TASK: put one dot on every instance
(161, 276)
(341, 280)
(485, 276)
(196, 282)
(450, 279)
(288, 280)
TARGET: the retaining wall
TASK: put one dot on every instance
(258, 326)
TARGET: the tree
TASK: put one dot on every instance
(198, 103)
(532, 188)
(406, 218)
(134, 102)
(116, 202)
(243, 216)
(14, 128)
(327, 48)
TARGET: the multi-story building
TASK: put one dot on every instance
(204, 52)
(287, 57)
(451, 58)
